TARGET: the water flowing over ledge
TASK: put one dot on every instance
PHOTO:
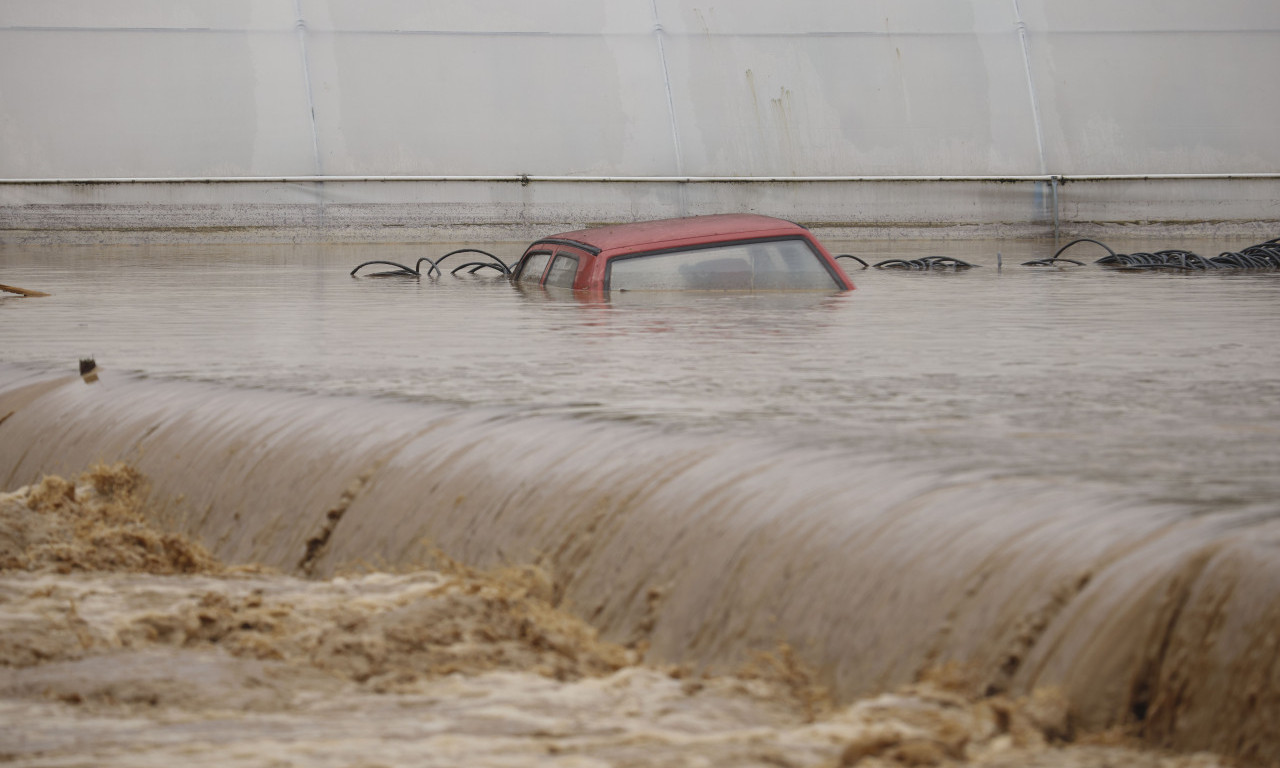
(703, 550)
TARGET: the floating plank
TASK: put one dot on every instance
(20, 291)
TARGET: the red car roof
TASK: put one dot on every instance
(645, 234)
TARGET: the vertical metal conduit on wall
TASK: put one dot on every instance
(300, 28)
(1031, 84)
(658, 33)
(1040, 202)
(682, 197)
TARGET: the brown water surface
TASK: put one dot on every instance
(1164, 382)
(116, 652)
(1059, 478)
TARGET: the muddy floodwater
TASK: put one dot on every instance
(1007, 515)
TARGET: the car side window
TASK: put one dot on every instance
(788, 264)
(534, 264)
(563, 270)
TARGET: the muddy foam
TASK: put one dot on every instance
(124, 645)
(91, 523)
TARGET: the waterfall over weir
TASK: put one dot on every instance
(706, 548)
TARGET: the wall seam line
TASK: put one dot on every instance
(666, 80)
(1031, 86)
(300, 28)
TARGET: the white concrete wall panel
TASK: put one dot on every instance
(1149, 87)
(429, 105)
(164, 89)
(576, 18)
(496, 88)
(926, 87)
(156, 88)
(852, 105)
(151, 15)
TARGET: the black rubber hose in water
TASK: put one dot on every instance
(506, 270)
(433, 266)
(418, 264)
(925, 263)
(478, 265)
(1263, 256)
(403, 270)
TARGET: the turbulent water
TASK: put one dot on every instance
(1056, 479)
(123, 645)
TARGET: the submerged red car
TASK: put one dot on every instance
(728, 252)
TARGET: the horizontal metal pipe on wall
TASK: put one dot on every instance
(526, 178)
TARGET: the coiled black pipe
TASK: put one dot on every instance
(1254, 257)
(476, 266)
(416, 270)
(1057, 257)
(498, 264)
(1051, 262)
(400, 269)
(925, 263)
(1261, 256)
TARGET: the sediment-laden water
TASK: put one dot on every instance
(1052, 480)
(124, 645)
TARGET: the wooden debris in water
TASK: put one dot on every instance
(21, 291)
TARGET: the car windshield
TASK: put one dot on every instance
(772, 265)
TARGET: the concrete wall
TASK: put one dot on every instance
(128, 89)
